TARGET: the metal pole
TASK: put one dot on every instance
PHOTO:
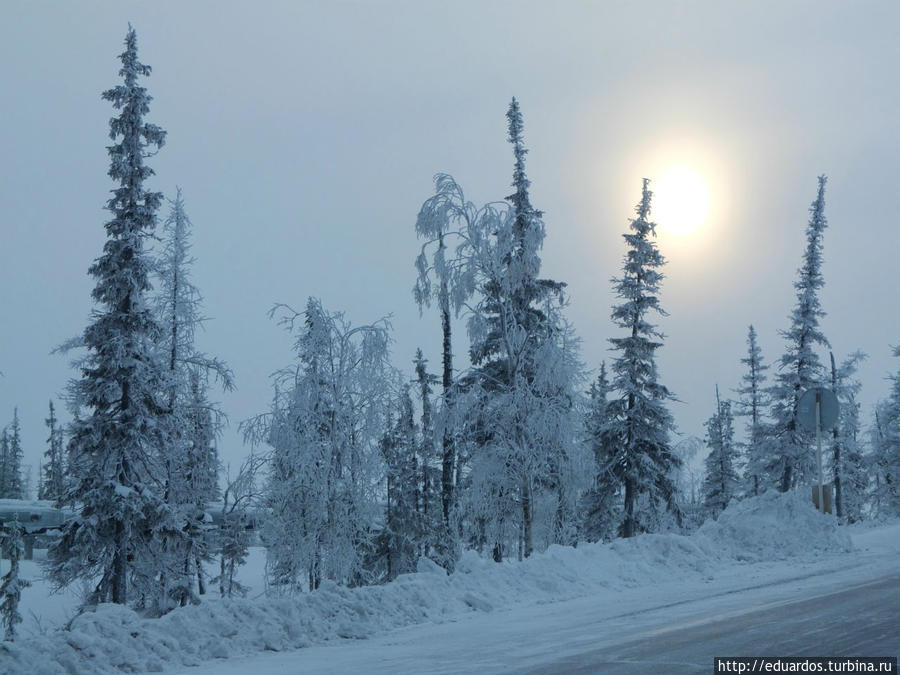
(819, 446)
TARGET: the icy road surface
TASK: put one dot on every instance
(846, 606)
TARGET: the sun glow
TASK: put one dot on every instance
(680, 201)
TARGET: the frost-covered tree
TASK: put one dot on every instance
(447, 219)
(848, 465)
(11, 453)
(640, 423)
(53, 472)
(324, 428)
(240, 496)
(887, 451)
(431, 501)
(11, 584)
(525, 370)
(115, 444)
(752, 404)
(601, 503)
(800, 367)
(404, 524)
(4, 453)
(721, 482)
(190, 456)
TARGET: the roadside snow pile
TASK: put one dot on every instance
(775, 526)
(115, 639)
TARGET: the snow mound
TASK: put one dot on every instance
(775, 526)
(114, 639)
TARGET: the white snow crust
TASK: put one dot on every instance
(112, 638)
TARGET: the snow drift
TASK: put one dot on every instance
(112, 638)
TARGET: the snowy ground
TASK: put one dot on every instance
(486, 617)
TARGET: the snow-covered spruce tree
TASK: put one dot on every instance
(404, 525)
(11, 584)
(431, 501)
(11, 477)
(800, 367)
(53, 478)
(190, 456)
(887, 451)
(639, 422)
(752, 404)
(601, 503)
(525, 370)
(115, 444)
(325, 470)
(848, 466)
(4, 453)
(721, 482)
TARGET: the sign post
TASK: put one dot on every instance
(817, 408)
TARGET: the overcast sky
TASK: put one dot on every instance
(305, 137)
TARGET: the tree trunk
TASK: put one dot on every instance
(527, 519)
(628, 524)
(447, 382)
(201, 582)
(119, 569)
(838, 497)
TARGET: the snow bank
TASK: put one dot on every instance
(775, 526)
(115, 639)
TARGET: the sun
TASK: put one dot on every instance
(680, 200)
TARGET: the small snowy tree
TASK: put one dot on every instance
(847, 464)
(241, 494)
(640, 423)
(431, 501)
(752, 404)
(114, 447)
(887, 450)
(404, 525)
(800, 367)
(721, 482)
(4, 458)
(601, 502)
(193, 422)
(11, 584)
(327, 419)
(52, 486)
(11, 484)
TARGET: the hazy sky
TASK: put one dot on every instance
(305, 137)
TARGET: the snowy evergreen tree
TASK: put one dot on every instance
(11, 584)
(721, 481)
(114, 447)
(53, 481)
(404, 525)
(800, 367)
(601, 503)
(639, 422)
(324, 429)
(11, 453)
(4, 458)
(518, 337)
(848, 466)
(887, 451)
(190, 457)
(752, 404)
(431, 502)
